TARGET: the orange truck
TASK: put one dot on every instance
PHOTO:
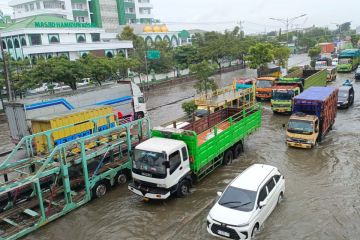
(264, 86)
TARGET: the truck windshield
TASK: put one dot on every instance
(264, 83)
(344, 60)
(299, 126)
(149, 162)
(283, 95)
(239, 199)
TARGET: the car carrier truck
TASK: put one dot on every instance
(288, 87)
(39, 187)
(124, 97)
(314, 113)
(167, 163)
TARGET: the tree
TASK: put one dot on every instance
(202, 72)
(189, 107)
(139, 50)
(98, 68)
(260, 55)
(56, 70)
(281, 55)
(313, 53)
(121, 65)
(186, 55)
(166, 61)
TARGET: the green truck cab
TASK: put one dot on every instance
(282, 95)
(349, 59)
(167, 163)
(293, 84)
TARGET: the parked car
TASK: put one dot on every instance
(346, 95)
(84, 82)
(246, 203)
(335, 62)
(357, 73)
(40, 89)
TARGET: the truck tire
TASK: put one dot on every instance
(228, 157)
(100, 189)
(238, 149)
(183, 189)
(120, 178)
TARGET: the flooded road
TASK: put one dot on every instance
(322, 185)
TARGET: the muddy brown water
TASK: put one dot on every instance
(322, 185)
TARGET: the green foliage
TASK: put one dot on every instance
(98, 68)
(202, 72)
(186, 55)
(189, 107)
(314, 52)
(260, 55)
(121, 65)
(281, 55)
(166, 62)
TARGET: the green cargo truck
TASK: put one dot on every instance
(167, 163)
(37, 188)
(293, 84)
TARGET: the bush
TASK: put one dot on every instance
(189, 107)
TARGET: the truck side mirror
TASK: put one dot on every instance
(219, 194)
(166, 164)
(283, 125)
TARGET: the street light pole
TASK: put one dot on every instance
(6, 71)
(286, 22)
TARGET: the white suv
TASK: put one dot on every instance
(246, 202)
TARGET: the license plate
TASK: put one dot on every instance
(298, 144)
(226, 234)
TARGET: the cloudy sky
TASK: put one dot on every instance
(255, 14)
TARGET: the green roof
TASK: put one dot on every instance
(45, 21)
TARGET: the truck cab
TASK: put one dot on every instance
(160, 168)
(264, 87)
(281, 100)
(302, 130)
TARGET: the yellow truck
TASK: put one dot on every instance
(82, 125)
(314, 113)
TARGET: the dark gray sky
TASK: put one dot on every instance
(225, 14)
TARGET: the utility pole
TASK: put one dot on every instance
(241, 27)
(146, 69)
(6, 71)
(286, 22)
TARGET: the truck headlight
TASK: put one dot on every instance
(161, 185)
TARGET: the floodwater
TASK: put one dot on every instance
(322, 185)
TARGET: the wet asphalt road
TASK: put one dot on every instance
(322, 185)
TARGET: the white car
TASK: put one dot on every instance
(335, 62)
(246, 203)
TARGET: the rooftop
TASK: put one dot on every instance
(252, 177)
(157, 144)
(316, 93)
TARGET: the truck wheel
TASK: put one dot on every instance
(183, 189)
(238, 149)
(120, 178)
(99, 190)
(228, 157)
